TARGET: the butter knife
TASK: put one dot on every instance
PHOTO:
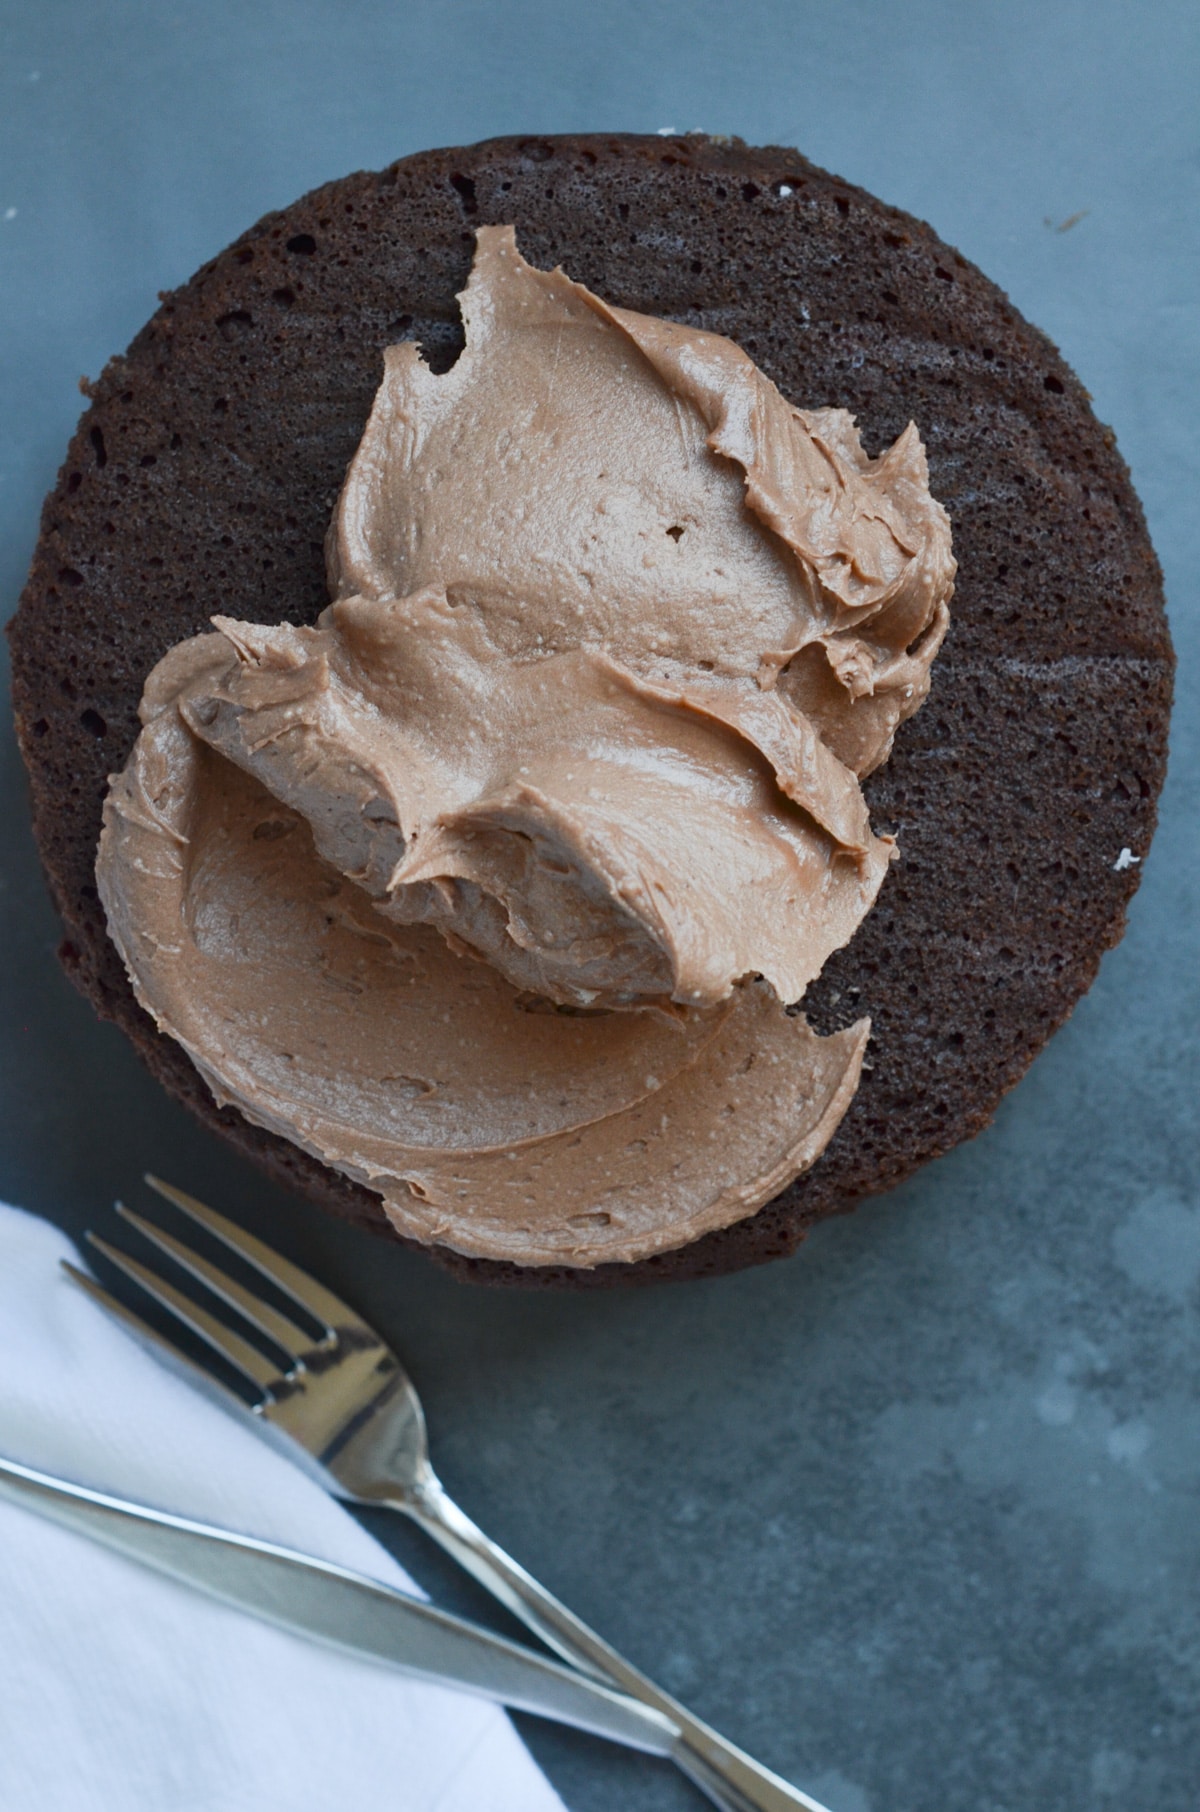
(343, 1609)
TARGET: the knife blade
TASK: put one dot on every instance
(343, 1609)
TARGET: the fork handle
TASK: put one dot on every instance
(731, 1778)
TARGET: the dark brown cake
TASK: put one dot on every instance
(202, 478)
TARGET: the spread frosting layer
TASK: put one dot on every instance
(492, 889)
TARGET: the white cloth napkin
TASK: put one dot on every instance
(121, 1691)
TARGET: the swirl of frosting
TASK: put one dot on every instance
(616, 632)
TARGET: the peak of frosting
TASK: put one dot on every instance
(586, 475)
(616, 631)
(600, 837)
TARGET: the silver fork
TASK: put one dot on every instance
(343, 1398)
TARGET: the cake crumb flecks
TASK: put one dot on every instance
(1126, 859)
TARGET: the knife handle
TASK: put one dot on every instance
(732, 1779)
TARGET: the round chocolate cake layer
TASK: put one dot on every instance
(202, 478)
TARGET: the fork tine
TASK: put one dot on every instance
(148, 1336)
(303, 1289)
(259, 1314)
(254, 1366)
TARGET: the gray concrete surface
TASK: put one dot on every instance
(914, 1515)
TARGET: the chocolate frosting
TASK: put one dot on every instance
(492, 889)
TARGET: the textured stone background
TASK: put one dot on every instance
(914, 1515)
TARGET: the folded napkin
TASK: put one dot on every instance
(120, 1690)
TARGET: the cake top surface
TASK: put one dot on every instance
(211, 458)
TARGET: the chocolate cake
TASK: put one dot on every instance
(202, 478)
